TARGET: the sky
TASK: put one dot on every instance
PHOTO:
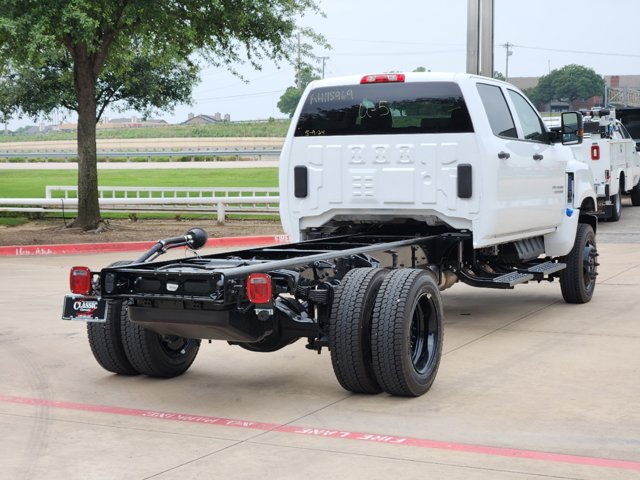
(372, 36)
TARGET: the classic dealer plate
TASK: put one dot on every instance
(89, 309)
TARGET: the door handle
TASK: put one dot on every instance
(503, 155)
(538, 156)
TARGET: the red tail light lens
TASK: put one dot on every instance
(80, 280)
(259, 288)
(383, 78)
(595, 152)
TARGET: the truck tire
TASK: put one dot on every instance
(635, 196)
(616, 208)
(350, 329)
(578, 280)
(157, 355)
(407, 332)
(105, 340)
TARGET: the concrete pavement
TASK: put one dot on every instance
(529, 387)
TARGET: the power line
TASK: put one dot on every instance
(229, 97)
(382, 54)
(559, 50)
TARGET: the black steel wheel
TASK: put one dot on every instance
(407, 332)
(578, 280)
(350, 329)
(157, 355)
(105, 340)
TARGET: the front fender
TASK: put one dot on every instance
(578, 209)
(584, 195)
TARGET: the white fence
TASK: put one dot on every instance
(155, 199)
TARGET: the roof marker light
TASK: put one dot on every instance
(383, 78)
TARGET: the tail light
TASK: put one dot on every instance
(80, 280)
(259, 288)
(595, 152)
(383, 78)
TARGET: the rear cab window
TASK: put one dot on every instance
(384, 109)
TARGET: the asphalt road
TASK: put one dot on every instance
(529, 387)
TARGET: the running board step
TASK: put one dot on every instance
(544, 269)
(513, 278)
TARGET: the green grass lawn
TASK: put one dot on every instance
(31, 183)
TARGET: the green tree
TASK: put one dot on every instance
(569, 82)
(87, 54)
(499, 76)
(290, 98)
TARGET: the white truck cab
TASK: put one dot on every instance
(434, 150)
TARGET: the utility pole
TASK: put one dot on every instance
(324, 59)
(298, 65)
(509, 52)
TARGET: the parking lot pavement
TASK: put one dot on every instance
(529, 387)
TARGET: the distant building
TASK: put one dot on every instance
(110, 123)
(130, 122)
(206, 119)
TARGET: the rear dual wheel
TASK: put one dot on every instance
(407, 333)
(386, 331)
(105, 341)
(120, 346)
(157, 355)
(350, 329)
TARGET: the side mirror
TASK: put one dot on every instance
(571, 128)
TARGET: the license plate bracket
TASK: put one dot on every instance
(88, 309)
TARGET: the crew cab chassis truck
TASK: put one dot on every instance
(393, 187)
(611, 154)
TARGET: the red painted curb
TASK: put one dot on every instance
(79, 248)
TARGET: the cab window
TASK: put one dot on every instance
(532, 127)
(384, 109)
(497, 110)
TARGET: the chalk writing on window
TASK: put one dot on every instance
(330, 96)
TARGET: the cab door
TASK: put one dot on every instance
(530, 183)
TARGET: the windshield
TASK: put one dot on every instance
(384, 109)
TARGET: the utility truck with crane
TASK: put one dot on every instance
(610, 152)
